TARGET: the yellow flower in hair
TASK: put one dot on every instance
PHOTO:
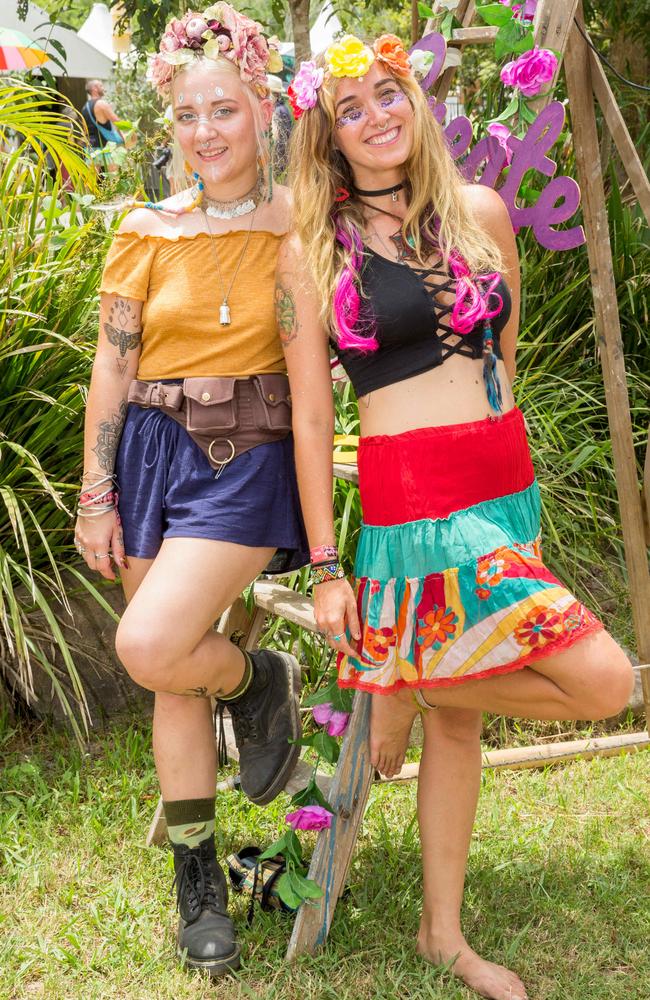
(349, 57)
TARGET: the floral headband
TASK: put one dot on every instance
(218, 31)
(348, 57)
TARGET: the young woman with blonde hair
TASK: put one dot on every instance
(189, 485)
(412, 277)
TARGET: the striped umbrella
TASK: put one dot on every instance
(17, 51)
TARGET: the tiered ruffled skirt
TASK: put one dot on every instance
(450, 581)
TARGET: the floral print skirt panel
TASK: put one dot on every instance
(449, 577)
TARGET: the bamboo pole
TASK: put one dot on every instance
(544, 755)
(577, 65)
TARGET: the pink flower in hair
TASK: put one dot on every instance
(304, 87)
(195, 29)
(160, 73)
(177, 28)
(170, 42)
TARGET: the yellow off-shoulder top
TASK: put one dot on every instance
(178, 283)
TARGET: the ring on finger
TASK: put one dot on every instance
(336, 638)
(101, 555)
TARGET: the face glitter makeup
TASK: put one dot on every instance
(181, 98)
(218, 91)
(198, 98)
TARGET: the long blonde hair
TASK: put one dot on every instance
(330, 230)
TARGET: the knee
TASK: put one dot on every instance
(612, 683)
(144, 655)
(458, 725)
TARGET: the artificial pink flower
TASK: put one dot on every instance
(160, 73)
(177, 28)
(170, 42)
(326, 715)
(304, 87)
(310, 818)
(522, 11)
(195, 29)
(501, 133)
(322, 713)
(531, 71)
(338, 723)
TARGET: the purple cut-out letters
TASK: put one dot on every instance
(485, 161)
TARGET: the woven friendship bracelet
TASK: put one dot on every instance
(327, 572)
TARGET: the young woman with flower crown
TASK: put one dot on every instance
(190, 485)
(412, 277)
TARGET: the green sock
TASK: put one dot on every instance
(189, 821)
(244, 683)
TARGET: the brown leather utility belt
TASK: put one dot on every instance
(224, 416)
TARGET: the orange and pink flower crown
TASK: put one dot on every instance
(219, 31)
(348, 57)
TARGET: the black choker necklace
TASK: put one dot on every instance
(378, 194)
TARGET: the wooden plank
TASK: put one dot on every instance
(547, 754)
(334, 847)
(465, 14)
(286, 603)
(483, 35)
(348, 472)
(620, 134)
(646, 490)
(553, 23)
(577, 65)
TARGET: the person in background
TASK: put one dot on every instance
(99, 117)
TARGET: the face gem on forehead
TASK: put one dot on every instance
(198, 98)
(181, 98)
(218, 91)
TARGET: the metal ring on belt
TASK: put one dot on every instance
(226, 460)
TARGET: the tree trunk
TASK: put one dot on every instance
(415, 22)
(299, 11)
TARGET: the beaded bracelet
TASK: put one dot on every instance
(327, 572)
(323, 553)
(93, 499)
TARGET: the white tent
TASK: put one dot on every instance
(82, 59)
(326, 27)
(97, 29)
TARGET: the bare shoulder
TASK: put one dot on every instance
(141, 221)
(487, 206)
(277, 216)
(291, 254)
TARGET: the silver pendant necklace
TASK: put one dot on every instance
(235, 208)
(224, 308)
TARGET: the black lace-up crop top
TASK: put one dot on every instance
(412, 313)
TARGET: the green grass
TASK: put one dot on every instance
(558, 884)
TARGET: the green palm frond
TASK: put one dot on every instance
(28, 111)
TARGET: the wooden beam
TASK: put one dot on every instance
(619, 133)
(577, 65)
(646, 490)
(334, 847)
(286, 603)
(552, 25)
(348, 472)
(465, 14)
(484, 35)
(544, 755)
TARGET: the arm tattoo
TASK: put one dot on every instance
(285, 312)
(197, 692)
(108, 438)
(123, 331)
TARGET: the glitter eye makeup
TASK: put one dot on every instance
(386, 100)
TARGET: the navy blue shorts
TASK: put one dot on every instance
(168, 490)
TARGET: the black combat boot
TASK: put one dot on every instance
(206, 934)
(264, 719)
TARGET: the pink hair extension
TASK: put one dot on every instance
(347, 302)
(472, 304)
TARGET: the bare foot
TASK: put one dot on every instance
(486, 978)
(391, 718)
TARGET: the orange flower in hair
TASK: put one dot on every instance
(389, 50)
